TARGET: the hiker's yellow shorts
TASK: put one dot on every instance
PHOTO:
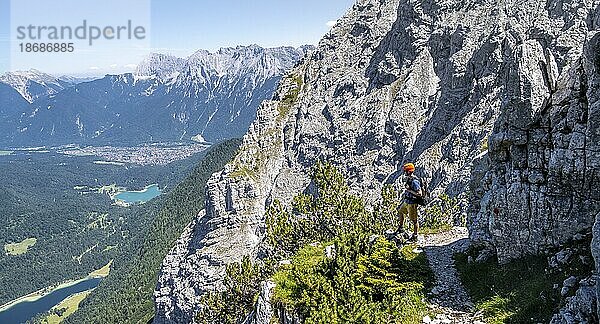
(410, 209)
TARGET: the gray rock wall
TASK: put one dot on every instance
(540, 188)
(230, 227)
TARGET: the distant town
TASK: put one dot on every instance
(155, 154)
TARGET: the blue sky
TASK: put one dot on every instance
(4, 31)
(178, 27)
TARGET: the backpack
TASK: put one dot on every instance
(425, 198)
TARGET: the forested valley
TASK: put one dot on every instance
(77, 232)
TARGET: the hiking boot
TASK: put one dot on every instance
(401, 235)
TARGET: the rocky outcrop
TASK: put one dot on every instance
(538, 189)
(580, 308)
(596, 255)
(232, 224)
(426, 81)
(263, 310)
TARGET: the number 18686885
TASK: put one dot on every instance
(46, 47)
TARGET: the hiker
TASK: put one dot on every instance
(412, 194)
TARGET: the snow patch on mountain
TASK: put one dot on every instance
(34, 84)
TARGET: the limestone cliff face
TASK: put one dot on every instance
(396, 80)
(232, 224)
(540, 186)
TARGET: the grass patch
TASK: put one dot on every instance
(484, 145)
(243, 172)
(290, 98)
(102, 272)
(4, 153)
(19, 248)
(518, 292)
(67, 307)
(442, 228)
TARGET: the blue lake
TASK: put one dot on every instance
(134, 197)
(24, 311)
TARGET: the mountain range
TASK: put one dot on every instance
(206, 96)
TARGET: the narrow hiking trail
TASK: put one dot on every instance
(448, 299)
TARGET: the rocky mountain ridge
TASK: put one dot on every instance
(213, 95)
(492, 99)
(34, 84)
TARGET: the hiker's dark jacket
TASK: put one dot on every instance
(415, 185)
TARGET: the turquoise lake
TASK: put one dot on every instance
(136, 197)
(24, 311)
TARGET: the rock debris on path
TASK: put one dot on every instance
(448, 299)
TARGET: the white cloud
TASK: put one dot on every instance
(331, 23)
(94, 68)
(130, 66)
(113, 66)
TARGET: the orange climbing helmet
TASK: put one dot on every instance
(409, 167)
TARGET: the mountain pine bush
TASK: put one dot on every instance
(340, 268)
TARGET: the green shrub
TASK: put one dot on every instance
(364, 279)
(367, 280)
(236, 300)
(378, 284)
(441, 214)
(331, 211)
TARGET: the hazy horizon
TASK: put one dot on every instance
(170, 26)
